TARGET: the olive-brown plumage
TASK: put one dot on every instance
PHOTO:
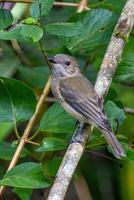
(78, 97)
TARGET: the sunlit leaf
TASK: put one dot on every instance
(115, 114)
(56, 120)
(26, 175)
(7, 151)
(23, 193)
(51, 166)
(98, 24)
(23, 32)
(129, 151)
(125, 71)
(17, 101)
(32, 32)
(51, 144)
(109, 4)
(5, 128)
(65, 29)
(13, 33)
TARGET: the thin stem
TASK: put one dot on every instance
(100, 154)
(71, 5)
(104, 156)
(17, 1)
(44, 53)
(129, 110)
(50, 99)
(82, 5)
(31, 142)
(28, 129)
(29, 126)
(32, 121)
(33, 136)
(95, 145)
(18, 51)
(66, 4)
(56, 3)
(16, 131)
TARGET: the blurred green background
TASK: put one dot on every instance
(99, 175)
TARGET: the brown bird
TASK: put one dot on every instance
(78, 97)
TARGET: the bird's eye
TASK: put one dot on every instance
(68, 62)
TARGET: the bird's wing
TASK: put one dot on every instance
(81, 96)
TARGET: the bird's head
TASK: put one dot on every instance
(64, 65)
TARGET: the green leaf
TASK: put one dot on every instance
(41, 8)
(109, 4)
(26, 175)
(129, 151)
(88, 24)
(29, 21)
(32, 32)
(5, 128)
(56, 120)
(125, 71)
(36, 77)
(14, 33)
(99, 25)
(130, 154)
(6, 18)
(114, 113)
(51, 166)
(23, 32)
(65, 29)
(51, 144)
(7, 58)
(7, 151)
(17, 101)
(23, 193)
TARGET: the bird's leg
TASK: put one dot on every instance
(78, 135)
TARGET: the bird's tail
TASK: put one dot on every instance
(115, 145)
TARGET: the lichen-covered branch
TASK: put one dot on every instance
(69, 164)
(115, 48)
(111, 59)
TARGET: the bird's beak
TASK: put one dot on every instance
(51, 60)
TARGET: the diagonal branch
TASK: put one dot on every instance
(40, 103)
(28, 129)
(108, 67)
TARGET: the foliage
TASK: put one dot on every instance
(26, 175)
(55, 119)
(24, 73)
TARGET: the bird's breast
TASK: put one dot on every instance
(64, 104)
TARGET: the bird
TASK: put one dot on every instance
(78, 97)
